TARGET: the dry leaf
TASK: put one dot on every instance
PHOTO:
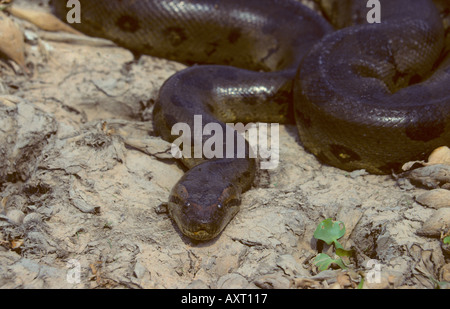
(344, 280)
(11, 40)
(3, 201)
(93, 268)
(16, 243)
(440, 155)
(43, 20)
(306, 283)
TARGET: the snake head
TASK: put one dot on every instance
(202, 209)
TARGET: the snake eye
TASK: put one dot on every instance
(187, 205)
(220, 206)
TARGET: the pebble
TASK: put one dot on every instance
(31, 37)
(232, 281)
(436, 224)
(139, 270)
(438, 198)
(15, 215)
(431, 176)
(440, 155)
(31, 217)
(445, 273)
(358, 173)
(197, 284)
(273, 281)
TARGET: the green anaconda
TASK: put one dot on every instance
(364, 95)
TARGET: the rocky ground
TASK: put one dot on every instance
(81, 178)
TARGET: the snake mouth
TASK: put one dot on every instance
(193, 227)
(199, 234)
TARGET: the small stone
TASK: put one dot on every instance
(431, 176)
(139, 270)
(440, 155)
(438, 198)
(32, 217)
(197, 284)
(358, 173)
(46, 211)
(438, 223)
(445, 273)
(31, 37)
(232, 281)
(273, 281)
(15, 215)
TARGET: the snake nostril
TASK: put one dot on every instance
(203, 227)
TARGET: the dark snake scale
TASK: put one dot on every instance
(364, 96)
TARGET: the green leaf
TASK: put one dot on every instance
(361, 283)
(447, 240)
(343, 252)
(330, 231)
(439, 284)
(323, 261)
(341, 264)
(338, 245)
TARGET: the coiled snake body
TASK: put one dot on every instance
(369, 96)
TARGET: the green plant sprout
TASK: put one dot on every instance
(446, 240)
(439, 284)
(323, 261)
(330, 231)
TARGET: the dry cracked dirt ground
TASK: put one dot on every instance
(81, 178)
